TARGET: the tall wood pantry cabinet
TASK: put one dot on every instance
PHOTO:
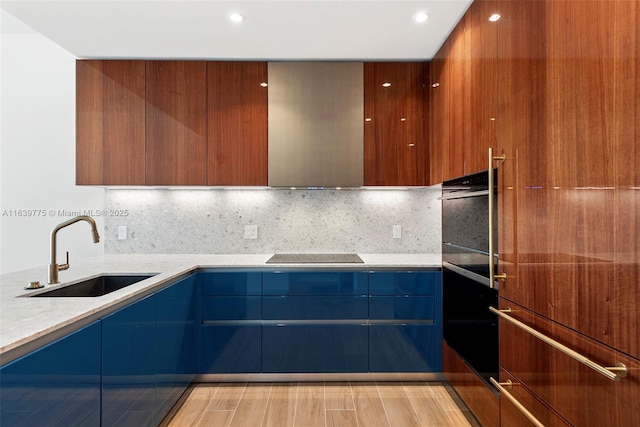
(562, 105)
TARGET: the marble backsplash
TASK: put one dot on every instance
(213, 221)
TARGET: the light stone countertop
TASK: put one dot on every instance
(29, 323)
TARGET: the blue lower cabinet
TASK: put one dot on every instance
(56, 385)
(402, 307)
(228, 349)
(316, 307)
(128, 365)
(405, 348)
(314, 348)
(315, 283)
(175, 353)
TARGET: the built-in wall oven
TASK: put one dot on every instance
(469, 258)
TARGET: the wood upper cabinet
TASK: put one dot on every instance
(110, 116)
(237, 111)
(464, 95)
(396, 140)
(176, 123)
(459, 104)
(439, 113)
(481, 39)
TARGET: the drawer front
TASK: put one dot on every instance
(402, 307)
(314, 307)
(230, 283)
(403, 282)
(230, 349)
(231, 308)
(314, 348)
(576, 392)
(510, 415)
(315, 283)
(405, 348)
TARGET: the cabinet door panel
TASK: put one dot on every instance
(176, 123)
(402, 307)
(110, 117)
(314, 307)
(510, 415)
(128, 365)
(230, 283)
(175, 359)
(405, 348)
(315, 283)
(439, 113)
(230, 349)
(403, 282)
(314, 348)
(237, 109)
(57, 385)
(231, 308)
(579, 394)
(396, 143)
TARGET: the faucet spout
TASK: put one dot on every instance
(54, 267)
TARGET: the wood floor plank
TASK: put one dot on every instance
(227, 397)
(215, 418)
(310, 409)
(342, 418)
(397, 405)
(252, 406)
(369, 408)
(317, 404)
(427, 406)
(190, 412)
(281, 407)
(338, 396)
(452, 404)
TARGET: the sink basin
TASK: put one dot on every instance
(96, 286)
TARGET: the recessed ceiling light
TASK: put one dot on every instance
(386, 84)
(236, 17)
(420, 17)
(264, 84)
(494, 17)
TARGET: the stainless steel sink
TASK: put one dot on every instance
(96, 286)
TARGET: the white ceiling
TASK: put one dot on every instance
(272, 29)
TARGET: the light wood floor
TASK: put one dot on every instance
(320, 404)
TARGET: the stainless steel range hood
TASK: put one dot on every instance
(316, 116)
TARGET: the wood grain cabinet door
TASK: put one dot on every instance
(396, 140)
(110, 116)
(578, 393)
(237, 111)
(176, 123)
(439, 113)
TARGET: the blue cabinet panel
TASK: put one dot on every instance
(232, 308)
(174, 344)
(405, 348)
(315, 283)
(56, 385)
(403, 282)
(314, 307)
(230, 283)
(231, 349)
(402, 307)
(128, 365)
(314, 348)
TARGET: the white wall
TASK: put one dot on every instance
(37, 152)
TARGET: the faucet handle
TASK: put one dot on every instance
(64, 266)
